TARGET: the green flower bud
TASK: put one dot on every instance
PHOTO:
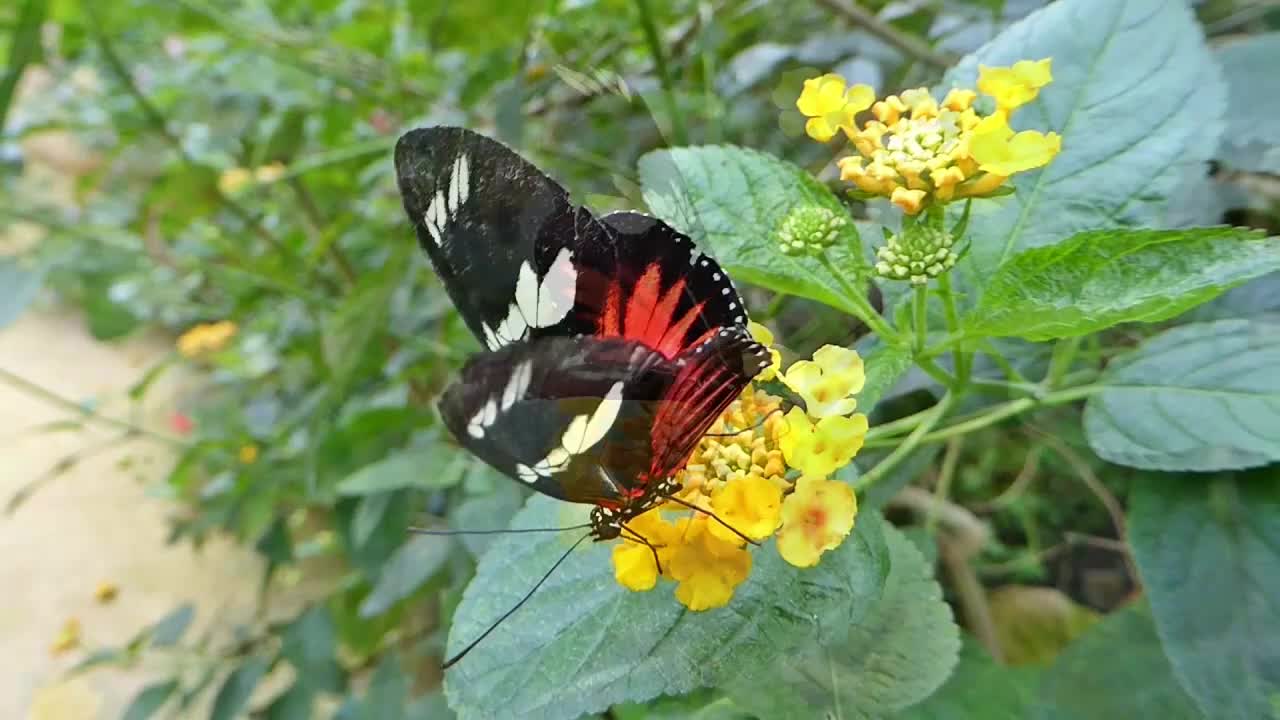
(810, 229)
(919, 253)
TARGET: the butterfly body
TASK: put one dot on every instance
(611, 343)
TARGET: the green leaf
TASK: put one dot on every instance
(24, 48)
(107, 319)
(885, 365)
(237, 688)
(1198, 397)
(1033, 624)
(412, 565)
(1116, 671)
(1135, 96)
(171, 627)
(152, 698)
(1209, 555)
(1252, 139)
(20, 287)
(1101, 278)
(309, 644)
(387, 693)
(583, 643)
(734, 200)
(893, 657)
(1256, 297)
(413, 468)
(979, 688)
(347, 333)
(368, 515)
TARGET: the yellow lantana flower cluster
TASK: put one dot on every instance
(763, 474)
(917, 150)
(206, 338)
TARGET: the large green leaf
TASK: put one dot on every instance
(893, 657)
(1198, 397)
(1256, 297)
(237, 688)
(412, 565)
(1252, 139)
(413, 468)
(734, 200)
(885, 366)
(1116, 671)
(151, 699)
(583, 643)
(1100, 278)
(1209, 555)
(979, 688)
(1135, 97)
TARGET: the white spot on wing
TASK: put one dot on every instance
(557, 290)
(526, 473)
(464, 179)
(454, 203)
(517, 385)
(585, 431)
(526, 302)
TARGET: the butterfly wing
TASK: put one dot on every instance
(708, 378)
(501, 234)
(521, 261)
(570, 417)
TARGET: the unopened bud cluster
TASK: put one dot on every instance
(809, 229)
(917, 254)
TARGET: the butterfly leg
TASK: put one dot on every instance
(630, 534)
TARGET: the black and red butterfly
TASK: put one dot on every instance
(613, 343)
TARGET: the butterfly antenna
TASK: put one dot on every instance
(451, 661)
(515, 531)
(711, 515)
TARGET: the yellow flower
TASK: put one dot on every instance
(828, 382)
(1013, 87)
(707, 568)
(830, 105)
(822, 448)
(1000, 151)
(248, 454)
(751, 505)
(106, 592)
(919, 152)
(68, 637)
(233, 180)
(633, 565)
(764, 336)
(269, 173)
(817, 517)
(206, 338)
(739, 480)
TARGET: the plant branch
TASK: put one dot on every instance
(53, 398)
(910, 45)
(904, 449)
(861, 307)
(664, 73)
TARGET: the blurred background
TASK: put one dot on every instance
(219, 347)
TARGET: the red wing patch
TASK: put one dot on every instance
(709, 377)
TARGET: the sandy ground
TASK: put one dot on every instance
(93, 524)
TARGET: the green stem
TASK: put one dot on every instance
(920, 317)
(961, 359)
(942, 491)
(904, 449)
(1064, 354)
(1003, 363)
(935, 371)
(860, 306)
(997, 414)
(54, 398)
(664, 74)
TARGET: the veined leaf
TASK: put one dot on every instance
(1198, 397)
(413, 468)
(1101, 278)
(1136, 95)
(734, 201)
(1209, 554)
(979, 688)
(890, 659)
(1116, 671)
(1252, 139)
(583, 643)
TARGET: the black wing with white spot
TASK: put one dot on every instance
(569, 417)
(503, 237)
(521, 261)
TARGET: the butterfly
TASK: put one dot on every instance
(611, 343)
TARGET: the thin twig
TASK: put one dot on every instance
(908, 44)
(44, 393)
